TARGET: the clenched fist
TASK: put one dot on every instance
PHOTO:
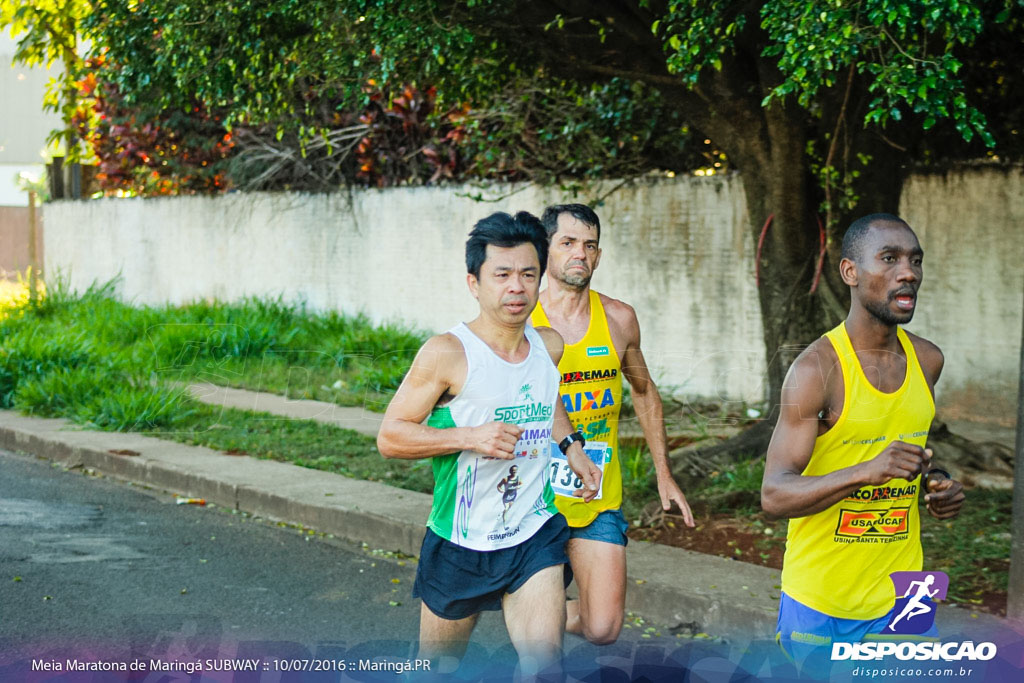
(899, 460)
(945, 497)
(495, 439)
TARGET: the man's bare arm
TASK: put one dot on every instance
(648, 407)
(785, 490)
(439, 366)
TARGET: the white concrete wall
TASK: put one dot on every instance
(678, 250)
(971, 226)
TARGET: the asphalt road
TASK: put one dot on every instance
(93, 565)
(95, 572)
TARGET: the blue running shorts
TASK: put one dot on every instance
(610, 527)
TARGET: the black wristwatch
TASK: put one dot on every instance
(573, 437)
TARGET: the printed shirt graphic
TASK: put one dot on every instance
(592, 393)
(838, 561)
(487, 503)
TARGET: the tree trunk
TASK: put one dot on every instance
(792, 314)
(799, 304)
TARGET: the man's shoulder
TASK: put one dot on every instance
(922, 345)
(446, 341)
(553, 341)
(819, 353)
(441, 349)
(808, 376)
(615, 307)
(929, 355)
(618, 312)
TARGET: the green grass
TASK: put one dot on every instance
(109, 366)
(303, 442)
(77, 355)
(742, 477)
(639, 485)
(974, 548)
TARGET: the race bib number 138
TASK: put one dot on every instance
(564, 481)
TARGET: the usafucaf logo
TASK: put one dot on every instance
(857, 523)
(530, 412)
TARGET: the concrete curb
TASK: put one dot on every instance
(668, 586)
(355, 510)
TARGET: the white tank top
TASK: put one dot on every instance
(487, 503)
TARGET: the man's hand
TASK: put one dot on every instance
(495, 439)
(945, 497)
(898, 461)
(586, 470)
(670, 493)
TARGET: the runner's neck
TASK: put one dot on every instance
(508, 342)
(566, 304)
(867, 333)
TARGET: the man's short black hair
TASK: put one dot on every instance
(580, 212)
(854, 237)
(504, 230)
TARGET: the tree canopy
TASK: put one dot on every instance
(824, 106)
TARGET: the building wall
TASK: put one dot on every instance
(678, 250)
(971, 226)
(24, 125)
(14, 240)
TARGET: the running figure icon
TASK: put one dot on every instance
(914, 606)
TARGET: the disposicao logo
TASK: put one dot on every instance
(947, 652)
(914, 615)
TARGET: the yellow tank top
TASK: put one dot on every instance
(591, 390)
(838, 561)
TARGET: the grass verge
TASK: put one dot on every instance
(106, 365)
(76, 356)
(302, 442)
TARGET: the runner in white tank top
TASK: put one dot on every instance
(480, 400)
(479, 501)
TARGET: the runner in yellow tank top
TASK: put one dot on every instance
(591, 390)
(846, 460)
(602, 345)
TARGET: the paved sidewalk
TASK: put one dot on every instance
(668, 586)
(357, 419)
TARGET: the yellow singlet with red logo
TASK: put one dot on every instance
(838, 561)
(591, 390)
